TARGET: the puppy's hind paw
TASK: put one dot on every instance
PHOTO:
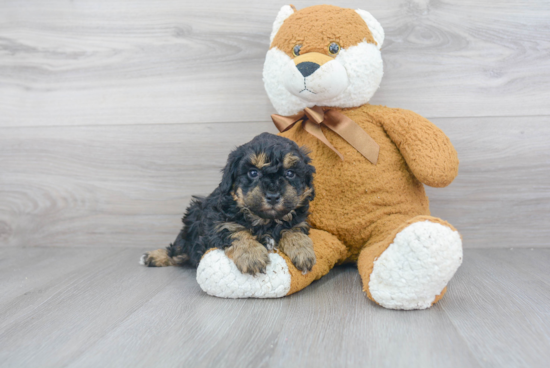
(142, 259)
(151, 259)
(160, 258)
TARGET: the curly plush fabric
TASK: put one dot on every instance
(318, 26)
(416, 266)
(217, 275)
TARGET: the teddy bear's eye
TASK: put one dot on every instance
(296, 50)
(334, 48)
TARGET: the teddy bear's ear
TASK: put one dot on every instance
(374, 26)
(285, 12)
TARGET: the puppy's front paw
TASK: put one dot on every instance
(304, 260)
(252, 261)
(248, 254)
(299, 248)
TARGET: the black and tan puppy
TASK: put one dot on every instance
(261, 203)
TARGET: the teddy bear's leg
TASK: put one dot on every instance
(411, 266)
(217, 275)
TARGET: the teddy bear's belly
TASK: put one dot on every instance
(355, 199)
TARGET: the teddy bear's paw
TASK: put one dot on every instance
(218, 276)
(416, 267)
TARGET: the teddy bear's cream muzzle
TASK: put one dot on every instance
(315, 77)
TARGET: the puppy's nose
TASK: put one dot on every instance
(307, 68)
(272, 198)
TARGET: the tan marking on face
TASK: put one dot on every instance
(160, 258)
(248, 254)
(259, 160)
(298, 247)
(254, 197)
(290, 197)
(255, 200)
(305, 195)
(289, 160)
(316, 27)
(244, 201)
(239, 198)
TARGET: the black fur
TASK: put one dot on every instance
(201, 221)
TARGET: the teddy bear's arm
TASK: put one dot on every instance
(427, 150)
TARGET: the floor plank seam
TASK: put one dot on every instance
(462, 337)
(105, 333)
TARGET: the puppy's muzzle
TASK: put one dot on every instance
(273, 198)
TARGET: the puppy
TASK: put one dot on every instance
(261, 203)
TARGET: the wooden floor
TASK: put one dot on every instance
(98, 308)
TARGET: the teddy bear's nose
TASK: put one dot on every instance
(307, 68)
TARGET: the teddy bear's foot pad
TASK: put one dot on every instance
(218, 276)
(416, 267)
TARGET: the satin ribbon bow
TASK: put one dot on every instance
(312, 118)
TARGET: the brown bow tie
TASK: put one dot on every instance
(335, 121)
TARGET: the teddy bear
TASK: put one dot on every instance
(322, 68)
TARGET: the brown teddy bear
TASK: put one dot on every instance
(322, 68)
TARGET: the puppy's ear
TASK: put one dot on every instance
(230, 171)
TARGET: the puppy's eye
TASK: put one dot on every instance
(334, 48)
(290, 174)
(296, 50)
(253, 174)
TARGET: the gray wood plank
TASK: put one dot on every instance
(25, 272)
(340, 327)
(331, 323)
(128, 186)
(65, 315)
(184, 326)
(536, 261)
(501, 309)
(90, 63)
